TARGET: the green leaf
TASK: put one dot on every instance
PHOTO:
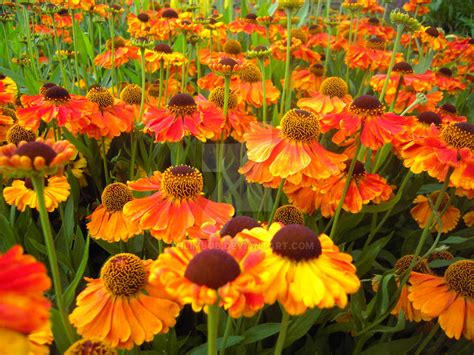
(395, 347)
(260, 332)
(301, 325)
(8, 236)
(443, 263)
(364, 263)
(455, 240)
(231, 341)
(59, 333)
(71, 289)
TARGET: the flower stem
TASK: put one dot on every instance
(427, 339)
(285, 319)
(277, 201)
(212, 322)
(112, 52)
(264, 90)
(397, 91)
(344, 190)
(392, 61)
(38, 184)
(56, 42)
(227, 331)
(220, 144)
(160, 90)
(104, 161)
(286, 85)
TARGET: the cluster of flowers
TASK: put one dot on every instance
(327, 154)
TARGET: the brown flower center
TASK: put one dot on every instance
(17, 133)
(429, 117)
(36, 149)
(169, 13)
(334, 86)
(237, 225)
(250, 74)
(231, 46)
(375, 42)
(359, 168)
(432, 31)
(124, 274)
(217, 97)
(300, 126)
(229, 62)
(403, 67)
(459, 276)
(445, 72)
(367, 105)
(317, 69)
(251, 18)
(459, 135)
(374, 21)
(163, 48)
(297, 243)
(118, 42)
(289, 214)
(143, 17)
(212, 268)
(182, 182)
(182, 105)
(115, 196)
(57, 95)
(131, 94)
(449, 108)
(101, 96)
(404, 262)
(45, 87)
(90, 347)
(299, 34)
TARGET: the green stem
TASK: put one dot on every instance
(286, 85)
(76, 61)
(285, 319)
(58, 49)
(427, 339)
(392, 61)
(220, 144)
(38, 184)
(277, 201)
(227, 331)
(160, 90)
(344, 190)
(183, 68)
(212, 322)
(397, 91)
(264, 91)
(112, 48)
(104, 161)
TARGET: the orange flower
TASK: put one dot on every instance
(40, 156)
(225, 270)
(407, 97)
(299, 50)
(237, 121)
(372, 56)
(431, 38)
(123, 52)
(371, 27)
(450, 298)
(331, 98)
(423, 211)
(306, 81)
(250, 87)
(5, 96)
(108, 222)
(23, 280)
(176, 206)
(418, 7)
(451, 147)
(306, 198)
(365, 116)
(363, 189)
(6, 122)
(183, 117)
(290, 151)
(55, 104)
(112, 117)
(248, 25)
(139, 25)
(449, 114)
(119, 307)
(445, 81)
(468, 218)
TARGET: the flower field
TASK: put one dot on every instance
(252, 177)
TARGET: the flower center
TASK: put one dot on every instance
(403, 67)
(169, 13)
(131, 94)
(300, 125)
(154, 89)
(317, 69)
(449, 108)
(374, 21)
(359, 168)
(212, 268)
(459, 135)
(115, 196)
(404, 262)
(289, 214)
(367, 105)
(17, 133)
(251, 18)
(334, 86)
(217, 97)
(57, 95)
(432, 31)
(231, 46)
(375, 42)
(182, 182)
(143, 17)
(182, 105)
(445, 72)
(118, 42)
(90, 347)
(228, 62)
(250, 74)
(434, 196)
(45, 87)
(459, 276)
(300, 34)
(36, 149)
(124, 274)
(296, 242)
(237, 225)
(429, 117)
(101, 96)
(163, 48)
